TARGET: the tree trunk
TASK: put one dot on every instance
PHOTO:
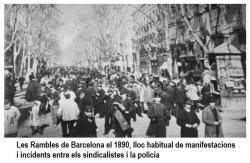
(16, 53)
(34, 65)
(28, 67)
(23, 60)
(196, 37)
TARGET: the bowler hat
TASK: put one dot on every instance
(212, 99)
(189, 102)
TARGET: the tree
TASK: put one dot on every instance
(29, 30)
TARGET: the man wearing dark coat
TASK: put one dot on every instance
(31, 76)
(43, 95)
(21, 81)
(90, 90)
(99, 101)
(79, 91)
(32, 91)
(129, 106)
(180, 98)
(157, 113)
(10, 89)
(86, 126)
(205, 92)
(121, 120)
(109, 109)
(188, 121)
(212, 119)
(167, 100)
(86, 102)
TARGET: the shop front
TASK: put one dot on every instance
(227, 68)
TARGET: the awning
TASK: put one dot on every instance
(164, 66)
(226, 48)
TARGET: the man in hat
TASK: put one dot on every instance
(86, 126)
(167, 100)
(90, 90)
(43, 95)
(128, 104)
(32, 90)
(21, 80)
(108, 105)
(99, 101)
(212, 119)
(53, 101)
(205, 92)
(188, 121)
(180, 98)
(78, 92)
(132, 95)
(135, 92)
(157, 113)
(121, 117)
(11, 116)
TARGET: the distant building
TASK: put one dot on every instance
(149, 38)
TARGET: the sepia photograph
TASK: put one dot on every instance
(125, 70)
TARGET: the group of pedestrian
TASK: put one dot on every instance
(75, 97)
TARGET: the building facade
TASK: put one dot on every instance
(180, 37)
(149, 41)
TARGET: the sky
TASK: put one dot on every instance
(68, 32)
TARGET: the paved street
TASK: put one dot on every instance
(230, 118)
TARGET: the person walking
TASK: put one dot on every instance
(193, 94)
(180, 98)
(53, 101)
(157, 114)
(32, 90)
(11, 116)
(188, 121)
(69, 112)
(212, 119)
(86, 126)
(108, 107)
(21, 80)
(119, 123)
(35, 118)
(129, 107)
(167, 100)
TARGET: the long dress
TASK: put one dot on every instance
(185, 117)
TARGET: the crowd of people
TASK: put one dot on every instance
(76, 97)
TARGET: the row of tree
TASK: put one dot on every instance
(30, 39)
(106, 33)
